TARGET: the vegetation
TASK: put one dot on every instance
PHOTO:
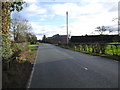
(7, 8)
(20, 67)
(21, 30)
(102, 29)
(17, 57)
(113, 48)
(18, 54)
(33, 47)
(110, 50)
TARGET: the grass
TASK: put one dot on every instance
(104, 55)
(33, 47)
(20, 46)
(110, 51)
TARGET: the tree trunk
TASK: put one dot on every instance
(6, 43)
(5, 18)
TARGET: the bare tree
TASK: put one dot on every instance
(19, 28)
(102, 29)
(118, 20)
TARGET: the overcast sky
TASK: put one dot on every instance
(49, 18)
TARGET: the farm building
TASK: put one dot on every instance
(57, 39)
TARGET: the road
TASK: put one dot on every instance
(62, 68)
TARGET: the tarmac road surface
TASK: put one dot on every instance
(62, 68)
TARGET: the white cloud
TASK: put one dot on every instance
(31, 1)
(85, 17)
(45, 16)
(99, 1)
(47, 30)
(75, 11)
(87, 24)
(33, 10)
(88, 17)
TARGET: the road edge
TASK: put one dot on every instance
(31, 75)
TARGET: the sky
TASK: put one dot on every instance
(48, 17)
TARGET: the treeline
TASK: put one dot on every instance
(95, 39)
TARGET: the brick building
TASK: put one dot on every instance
(57, 39)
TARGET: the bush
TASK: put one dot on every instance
(20, 46)
(6, 48)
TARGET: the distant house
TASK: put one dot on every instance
(95, 38)
(57, 39)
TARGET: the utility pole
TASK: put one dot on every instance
(119, 18)
(67, 27)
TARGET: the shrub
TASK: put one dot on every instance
(6, 48)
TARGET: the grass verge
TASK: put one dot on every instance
(33, 47)
(94, 54)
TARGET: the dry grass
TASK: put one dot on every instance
(20, 69)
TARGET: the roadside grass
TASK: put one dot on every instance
(18, 74)
(112, 57)
(21, 45)
(110, 50)
(33, 47)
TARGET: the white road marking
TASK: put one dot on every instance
(86, 68)
(30, 79)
